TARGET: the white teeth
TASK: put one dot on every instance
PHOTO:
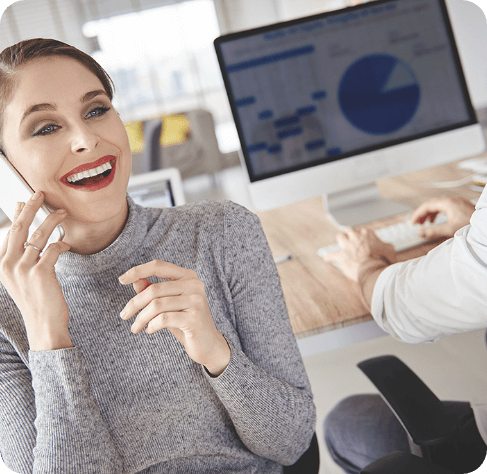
(89, 173)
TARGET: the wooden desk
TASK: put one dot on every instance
(318, 296)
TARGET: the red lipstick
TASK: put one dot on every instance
(87, 166)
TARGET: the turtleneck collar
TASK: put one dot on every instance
(130, 239)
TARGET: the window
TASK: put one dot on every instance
(162, 61)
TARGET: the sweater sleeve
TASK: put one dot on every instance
(49, 419)
(265, 388)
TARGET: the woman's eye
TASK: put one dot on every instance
(47, 130)
(97, 112)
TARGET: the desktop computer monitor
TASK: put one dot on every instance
(331, 103)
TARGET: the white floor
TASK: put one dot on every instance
(454, 368)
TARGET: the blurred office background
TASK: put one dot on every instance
(158, 52)
(160, 55)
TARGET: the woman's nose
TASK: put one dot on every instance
(83, 139)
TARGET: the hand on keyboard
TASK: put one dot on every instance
(401, 236)
(435, 218)
(359, 246)
(456, 214)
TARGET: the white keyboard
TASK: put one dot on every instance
(402, 235)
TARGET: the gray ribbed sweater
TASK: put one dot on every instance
(120, 402)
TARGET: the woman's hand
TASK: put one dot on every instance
(360, 247)
(30, 278)
(180, 305)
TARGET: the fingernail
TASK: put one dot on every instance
(20, 206)
(132, 328)
(36, 195)
(121, 277)
(123, 314)
(61, 211)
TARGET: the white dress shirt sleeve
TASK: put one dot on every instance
(442, 293)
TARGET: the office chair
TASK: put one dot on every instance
(434, 433)
(308, 463)
(403, 463)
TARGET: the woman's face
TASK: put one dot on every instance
(60, 123)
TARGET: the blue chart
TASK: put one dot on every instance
(379, 94)
(281, 109)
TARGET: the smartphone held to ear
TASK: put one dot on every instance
(14, 188)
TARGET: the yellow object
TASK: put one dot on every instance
(175, 129)
(135, 132)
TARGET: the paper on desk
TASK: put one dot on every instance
(3, 233)
(479, 179)
(477, 165)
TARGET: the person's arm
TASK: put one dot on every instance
(431, 296)
(68, 433)
(49, 419)
(259, 375)
(265, 388)
(362, 258)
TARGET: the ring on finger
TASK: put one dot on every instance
(27, 244)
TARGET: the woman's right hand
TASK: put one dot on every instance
(30, 278)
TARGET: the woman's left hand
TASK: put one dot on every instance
(180, 305)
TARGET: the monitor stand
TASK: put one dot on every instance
(360, 205)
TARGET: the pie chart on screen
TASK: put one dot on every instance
(379, 94)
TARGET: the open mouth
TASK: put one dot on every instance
(93, 179)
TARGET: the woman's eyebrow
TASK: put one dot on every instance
(91, 95)
(50, 107)
(37, 108)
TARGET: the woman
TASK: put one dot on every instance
(205, 378)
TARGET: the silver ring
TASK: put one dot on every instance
(26, 244)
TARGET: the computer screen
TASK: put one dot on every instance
(160, 188)
(342, 85)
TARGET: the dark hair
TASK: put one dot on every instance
(19, 54)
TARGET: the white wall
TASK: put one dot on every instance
(59, 19)
(470, 30)
(237, 15)
(296, 8)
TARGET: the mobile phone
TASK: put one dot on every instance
(14, 188)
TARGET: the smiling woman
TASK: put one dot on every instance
(149, 340)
